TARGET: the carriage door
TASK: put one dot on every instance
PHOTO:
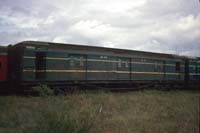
(159, 68)
(40, 63)
(3, 67)
(77, 67)
(178, 69)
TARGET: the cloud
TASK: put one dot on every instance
(151, 25)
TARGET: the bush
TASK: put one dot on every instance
(43, 90)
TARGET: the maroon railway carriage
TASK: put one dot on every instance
(3, 67)
(3, 64)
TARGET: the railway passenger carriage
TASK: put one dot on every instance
(32, 62)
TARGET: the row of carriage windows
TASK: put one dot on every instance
(158, 66)
(74, 61)
(81, 62)
(40, 63)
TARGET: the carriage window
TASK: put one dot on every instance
(143, 60)
(104, 57)
(119, 63)
(81, 61)
(156, 66)
(194, 68)
(178, 66)
(72, 61)
(126, 63)
(161, 67)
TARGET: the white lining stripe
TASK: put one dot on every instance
(67, 59)
(97, 71)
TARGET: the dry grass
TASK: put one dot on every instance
(140, 111)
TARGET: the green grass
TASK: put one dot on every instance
(103, 112)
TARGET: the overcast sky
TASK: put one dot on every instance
(169, 26)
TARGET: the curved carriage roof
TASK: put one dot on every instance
(96, 49)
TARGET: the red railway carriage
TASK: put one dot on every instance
(3, 64)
